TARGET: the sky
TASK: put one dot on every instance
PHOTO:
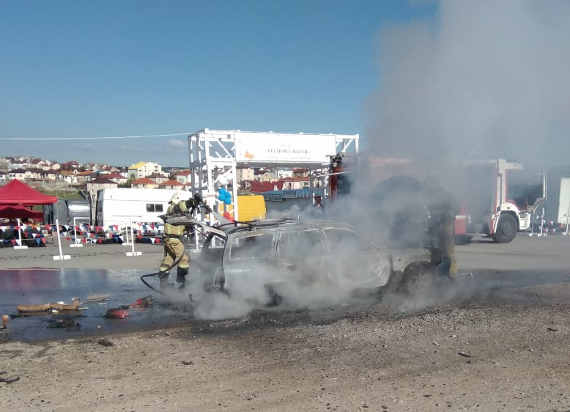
(71, 69)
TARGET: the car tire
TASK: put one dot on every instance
(506, 230)
(275, 299)
(416, 276)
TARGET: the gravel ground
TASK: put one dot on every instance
(495, 350)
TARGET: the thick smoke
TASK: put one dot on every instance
(308, 274)
(486, 79)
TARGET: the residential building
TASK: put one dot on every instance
(144, 169)
(158, 178)
(84, 176)
(68, 176)
(144, 183)
(19, 174)
(172, 184)
(115, 177)
(245, 174)
(182, 176)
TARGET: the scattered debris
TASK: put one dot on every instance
(187, 363)
(66, 323)
(117, 313)
(10, 379)
(5, 319)
(49, 307)
(105, 342)
(98, 298)
(552, 329)
(142, 303)
(465, 355)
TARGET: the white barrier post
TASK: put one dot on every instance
(75, 242)
(542, 224)
(61, 255)
(20, 246)
(132, 252)
(567, 218)
(126, 243)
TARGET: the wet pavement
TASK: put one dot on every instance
(39, 286)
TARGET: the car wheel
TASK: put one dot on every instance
(274, 298)
(416, 276)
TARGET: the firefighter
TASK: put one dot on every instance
(441, 229)
(173, 241)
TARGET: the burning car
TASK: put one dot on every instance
(274, 260)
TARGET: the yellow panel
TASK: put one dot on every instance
(251, 207)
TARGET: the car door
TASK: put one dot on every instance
(249, 260)
(354, 263)
(300, 255)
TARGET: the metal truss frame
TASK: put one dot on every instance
(211, 153)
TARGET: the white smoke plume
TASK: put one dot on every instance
(486, 79)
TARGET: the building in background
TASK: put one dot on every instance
(182, 176)
(172, 184)
(144, 169)
(144, 183)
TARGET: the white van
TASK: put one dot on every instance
(121, 206)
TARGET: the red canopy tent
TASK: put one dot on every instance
(14, 212)
(15, 195)
(18, 193)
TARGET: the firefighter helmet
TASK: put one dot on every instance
(176, 197)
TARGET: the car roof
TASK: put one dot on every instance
(286, 224)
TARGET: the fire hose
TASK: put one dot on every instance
(185, 219)
(143, 277)
(148, 285)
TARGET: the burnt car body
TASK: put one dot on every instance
(288, 257)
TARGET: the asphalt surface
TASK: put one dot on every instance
(497, 339)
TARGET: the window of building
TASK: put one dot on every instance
(154, 207)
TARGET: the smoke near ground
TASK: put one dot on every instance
(485, 79)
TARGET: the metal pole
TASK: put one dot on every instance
(20, 245)
(61, 256)
(235, 190)
(19, 232)
(58, 239)
(126, 243)
(132, 252)
(132, 239)
(567, 217)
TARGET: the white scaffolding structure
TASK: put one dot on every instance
(215, 156)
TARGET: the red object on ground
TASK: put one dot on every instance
(142, 302)
(18, 193)
(117, 313)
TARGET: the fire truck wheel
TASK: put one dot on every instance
(507, 229)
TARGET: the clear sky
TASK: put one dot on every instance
(106, 68)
